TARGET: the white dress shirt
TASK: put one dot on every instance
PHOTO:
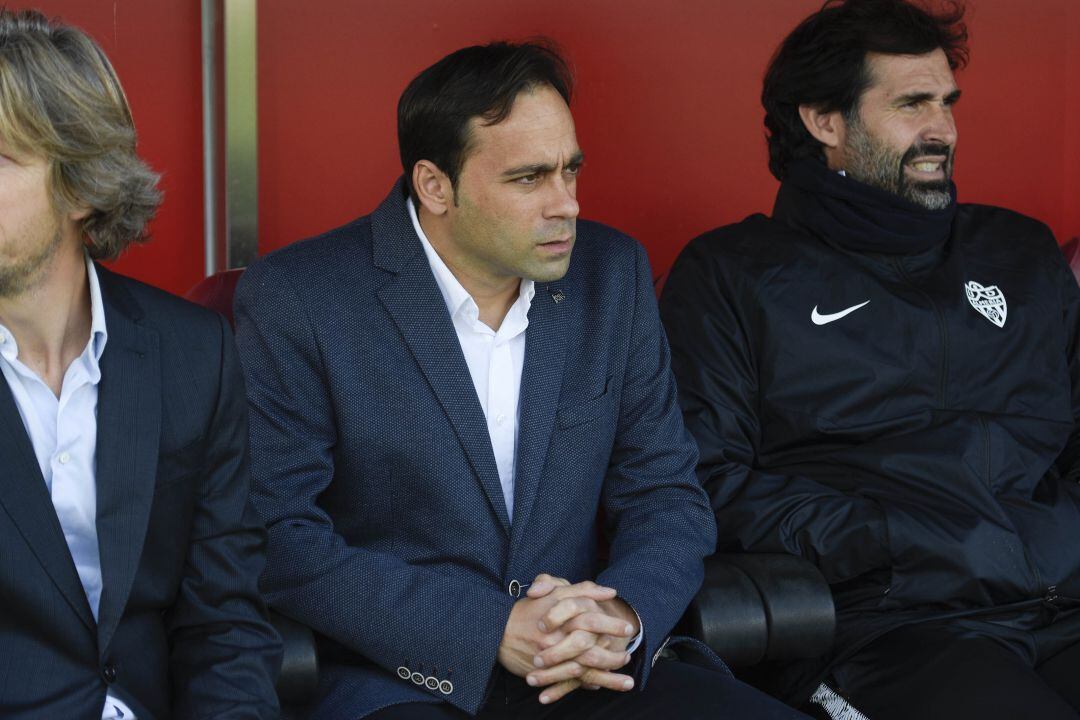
(63, 432)
(495, 359)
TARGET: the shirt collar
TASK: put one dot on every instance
(95, 347)
(98, 333)
(457, 298)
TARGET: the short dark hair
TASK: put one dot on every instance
(822, 63)
(478, 81)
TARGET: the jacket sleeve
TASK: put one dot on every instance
(1068, 463)
(657, 516)
(225, 654)
(709, 313)
(379, 606)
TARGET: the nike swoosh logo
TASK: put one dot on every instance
(819, 319)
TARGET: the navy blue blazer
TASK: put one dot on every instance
(374, 472)
(181, 629)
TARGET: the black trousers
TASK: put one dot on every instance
(674, 690)
(1025, 667)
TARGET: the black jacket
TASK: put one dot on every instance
(920, 454)
(181, 631)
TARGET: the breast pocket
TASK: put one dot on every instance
(581, 413)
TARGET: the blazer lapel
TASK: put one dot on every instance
(541, 380)
(414, 302)
(26, 500)
(129, 430)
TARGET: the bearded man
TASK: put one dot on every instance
(886, 382)
(129, 551)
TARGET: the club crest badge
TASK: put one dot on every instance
(989, 301)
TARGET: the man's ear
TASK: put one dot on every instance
(433, 187)
(828, 128)
(79, 214)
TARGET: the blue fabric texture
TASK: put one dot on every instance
(374, 473)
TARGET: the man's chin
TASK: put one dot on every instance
(550, 271)
(929, 195)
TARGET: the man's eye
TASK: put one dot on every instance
(572, 170)
(530, 179)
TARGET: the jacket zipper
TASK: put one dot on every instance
(942, 334)
(1049, 594)
(985, 429)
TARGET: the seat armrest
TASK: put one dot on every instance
(299, 663)
(755, 606)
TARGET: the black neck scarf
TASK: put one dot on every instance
(858, 217)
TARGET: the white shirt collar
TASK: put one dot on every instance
(95, 347)
(98, 333)
(457, 298)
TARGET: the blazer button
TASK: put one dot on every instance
(431, 683)
(418, 678)
(446, 687)
(514, 588)
(109, 672)
(403, 672)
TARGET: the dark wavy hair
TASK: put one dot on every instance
(478, 81)
(60, 99)
(822, 63)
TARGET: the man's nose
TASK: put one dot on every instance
(563, 200)
(941, 126)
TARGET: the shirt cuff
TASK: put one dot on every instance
(115, 709)
(637, 639)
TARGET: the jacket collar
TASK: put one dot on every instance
(856, 217)
(128, 428)
(419, 310)
(413, 300)
(129, 431)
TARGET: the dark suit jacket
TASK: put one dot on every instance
(182, 632)
(374, 472)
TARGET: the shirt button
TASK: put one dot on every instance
(500, 419)
(64, 458)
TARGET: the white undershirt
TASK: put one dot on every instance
(63, 432)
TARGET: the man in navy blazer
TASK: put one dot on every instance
(129, 552)
(443, 402)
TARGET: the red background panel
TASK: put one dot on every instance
(156, 49)
(1071, 149)
(667, 106)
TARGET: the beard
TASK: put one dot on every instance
(24, 274)
(872, 162)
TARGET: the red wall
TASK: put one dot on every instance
(1019, 132)
(1071, 150)
(156, 50)
(667, 107)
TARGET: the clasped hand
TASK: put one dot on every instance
(561, 637)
